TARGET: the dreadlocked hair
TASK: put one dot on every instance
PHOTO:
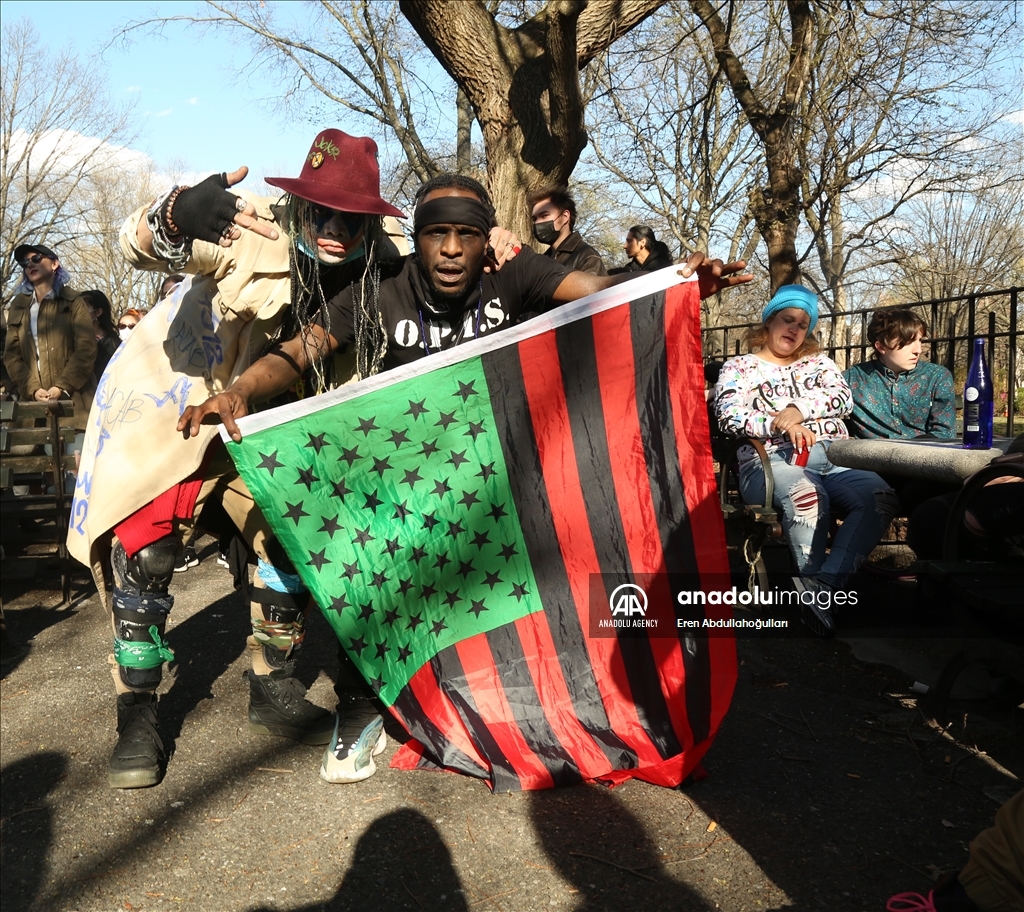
(309, 296)
(371, 338)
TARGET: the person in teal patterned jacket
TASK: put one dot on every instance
(896, 394)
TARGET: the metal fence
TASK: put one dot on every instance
(954, 324)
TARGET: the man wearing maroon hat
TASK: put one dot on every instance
(256, 270)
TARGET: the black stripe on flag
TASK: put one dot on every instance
(527, 707)
(666, 480)
(439, 748)
(503, 371)
(575, 343)
(452, 677)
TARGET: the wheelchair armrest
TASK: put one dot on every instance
(762, 512)
(954, 524)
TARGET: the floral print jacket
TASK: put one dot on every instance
(750, 389)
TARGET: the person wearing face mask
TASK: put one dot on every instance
(553, 212)
(254, 270)
(129, 320)
(440, 297)
(51, 342)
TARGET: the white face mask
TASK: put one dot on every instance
(125, 334)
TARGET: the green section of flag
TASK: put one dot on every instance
(395, 508)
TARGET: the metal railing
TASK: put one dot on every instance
(954, 323)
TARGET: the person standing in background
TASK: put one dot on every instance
(646, 253)
(553, 212)
(50, 349)
(107, 339)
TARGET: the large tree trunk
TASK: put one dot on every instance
(523, 84)
(776, 206)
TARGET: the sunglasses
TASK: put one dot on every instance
(33, 260)
(127, 325)
(353, 221)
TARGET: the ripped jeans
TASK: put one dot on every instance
(805, 495)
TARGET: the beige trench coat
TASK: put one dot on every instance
(192, 345)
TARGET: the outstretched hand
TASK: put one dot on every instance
(714, 276)
(208, 212)
(224, 408)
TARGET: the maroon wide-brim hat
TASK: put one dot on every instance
(340, 172)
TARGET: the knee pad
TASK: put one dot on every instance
(139, 646)
(283, 625)
(150, 569)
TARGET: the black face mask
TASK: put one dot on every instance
(545, 232)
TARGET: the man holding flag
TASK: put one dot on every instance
(429, 303)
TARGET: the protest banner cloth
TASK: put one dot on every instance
(460, 520)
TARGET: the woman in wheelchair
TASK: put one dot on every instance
(793, 398)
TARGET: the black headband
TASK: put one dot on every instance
(452, 210)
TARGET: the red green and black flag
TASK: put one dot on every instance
(463, 521)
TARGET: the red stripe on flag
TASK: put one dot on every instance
(546, 673)
(690, 413)
(484, 683)
(616, 373)
(436, 706)
(552, 430)
(669, 773)
(686, 389)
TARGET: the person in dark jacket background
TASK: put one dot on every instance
(553, 212)
(107, 339)
(51, 344)
(646, 253)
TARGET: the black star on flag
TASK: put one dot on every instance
(317, 442)
(269, 462)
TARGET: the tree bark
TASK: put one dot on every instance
(463, 133)
(523, 84)
(776, 205)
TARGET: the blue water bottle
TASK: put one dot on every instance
(978, 402)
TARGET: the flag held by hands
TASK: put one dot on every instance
(459, 521)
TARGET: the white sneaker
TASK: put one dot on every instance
(358, 738)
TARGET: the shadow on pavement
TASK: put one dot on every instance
(205, 645)
(400, 862)
(605, 852)
(27, 825)
(24, 624)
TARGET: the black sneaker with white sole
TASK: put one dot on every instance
(186, 559)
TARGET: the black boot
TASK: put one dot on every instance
(135, 762)
(278, 706)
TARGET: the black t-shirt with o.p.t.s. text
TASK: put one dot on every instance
(524, 284)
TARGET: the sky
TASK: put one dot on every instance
(192, 110)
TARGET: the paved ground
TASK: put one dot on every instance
(827, 789)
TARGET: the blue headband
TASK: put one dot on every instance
(793, 296)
